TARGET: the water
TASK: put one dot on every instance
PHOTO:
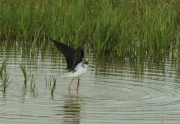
(117, 91)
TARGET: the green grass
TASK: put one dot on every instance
(5, 81)
(3, 68)
(26, 75)
(134, 28)
(4, 75)
(51, 83)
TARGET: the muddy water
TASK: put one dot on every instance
(116, 91)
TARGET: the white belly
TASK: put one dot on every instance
(80, 70)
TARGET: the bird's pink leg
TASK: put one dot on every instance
(78, 84)
(70, 84)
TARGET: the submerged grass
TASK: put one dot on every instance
(5, 81)
(4, 76)
(3, 67)
(135, 28)
(51, 84)
(26, 75)
(32, 85)
(54, 86)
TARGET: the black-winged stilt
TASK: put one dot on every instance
(74, 57)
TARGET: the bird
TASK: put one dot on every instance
(75, 67)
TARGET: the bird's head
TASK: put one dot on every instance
(86, 64)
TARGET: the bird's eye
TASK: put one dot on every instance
(86, 63)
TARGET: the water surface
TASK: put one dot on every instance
(116, 91)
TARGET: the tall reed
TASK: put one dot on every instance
(133, 28)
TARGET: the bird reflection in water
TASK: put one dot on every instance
(72, 109)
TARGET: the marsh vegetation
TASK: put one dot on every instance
(135, 28)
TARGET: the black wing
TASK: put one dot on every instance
(78, 56)
(67, 51)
